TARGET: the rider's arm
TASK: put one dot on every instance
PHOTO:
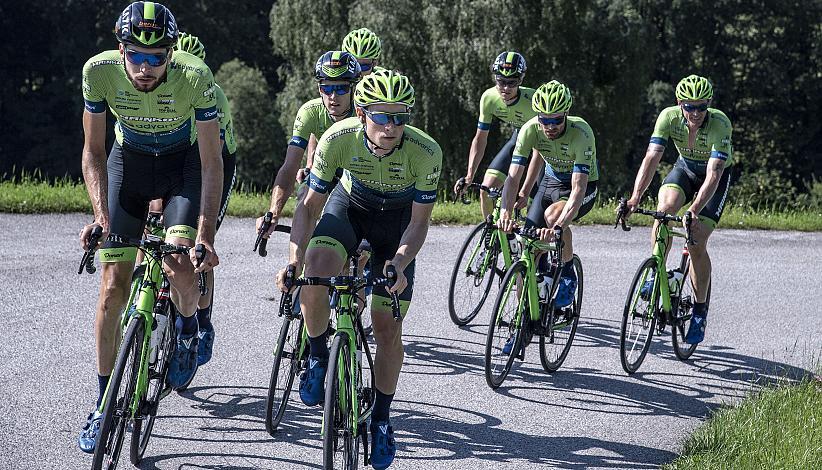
(309, 152)
(307, 213)
(414, 235)
(519, 163)
(579, 181)
(211, 161)
(535, 171)
(476, 153)
(284, 182)
(713, 173)
(646, 171)
(94, 165)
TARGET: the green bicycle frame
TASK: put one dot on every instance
(502, 239)
(528, 294)
(664, 236)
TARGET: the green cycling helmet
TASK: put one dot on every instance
(191, 44)
(363, 44)
(694, 87)
(551, 98)
(384, 87)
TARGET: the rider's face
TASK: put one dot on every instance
(694, 110)
(142, 75)
(387, 135)
(336, 103)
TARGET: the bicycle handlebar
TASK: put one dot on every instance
(87, 261)
(261, 242)
(622, 211)
(462, 186)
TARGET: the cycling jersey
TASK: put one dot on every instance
(713, 138)
(312, 118)
(572, 152)
(517, 113)
(410, 173)
(226, 123)
(158, 122)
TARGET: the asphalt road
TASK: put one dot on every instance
(764, 324)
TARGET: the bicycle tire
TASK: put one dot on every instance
(112, 432)
(283, 371)
(557, 329)
(338, 435)
(506, 325)
(644, 321)
(480, 282)
(683, 350)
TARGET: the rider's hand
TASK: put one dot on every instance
(695, 222)
(506, 223)
(400, 283)
(280, 279)
(545, 234)
(209, 261)
(521, 201)
(302, 174)
(271, 228)
(631, 205)
(461, 184)
(85, 232)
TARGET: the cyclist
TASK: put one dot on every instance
(702, 137)
(167, 145)
(336, 73)
(386, 195)
(510, 103)
(569, 184)
(365, 46)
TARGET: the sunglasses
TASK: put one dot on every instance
(399, 119)
(366, 67)
(507, 82)
(689, 108)
(545, 121)
(342, 89)
(153, 60)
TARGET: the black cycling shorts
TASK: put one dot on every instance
(501, 163)
(343, 226)
(688, 183)
(229, 176)
(552, 190)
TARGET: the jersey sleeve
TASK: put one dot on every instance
(326, 162)
(524, 146)
(721, 146)
(486, 111)
(204, 100)
(94, 95)
(226, 124)
(302, 130)
(662, 129)
(585, 151)
(428, 177)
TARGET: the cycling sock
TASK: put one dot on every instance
(700, 309)
(204, 318)
(186, 326)
(102, 383)
(568, 270)
(382, 404)
(319, 348)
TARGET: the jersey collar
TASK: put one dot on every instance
(366, 140)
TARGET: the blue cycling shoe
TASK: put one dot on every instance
(509, 345)
(565, 292)
(312, 389)
(88, 438)
(382, 442)
(647, 288)
(696, 331)
(206, 338)
(183, 364)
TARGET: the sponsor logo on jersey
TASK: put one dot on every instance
(131, 108)
(428, 197)
(167, 109)
(187, 68)
(106, 62)
(113, 255)
(209, 90)
(165, 101)
(423, 145)
(152, 119)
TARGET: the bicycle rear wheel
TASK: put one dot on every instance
(639, 317)
(506, 326)
(156, 390)
(561, 327)
(340, 435)
(287, 359)
(473, 274)
(117, 410)
(682, 313)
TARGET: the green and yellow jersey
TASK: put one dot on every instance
(160, 121)
(572, 152)
(713, 138)
(408, 174)
(312, 118)
(515, 114)
(226, 123)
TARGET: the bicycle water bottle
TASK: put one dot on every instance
(514, 246)
(544, 282)
(675, 281)
(157, 332)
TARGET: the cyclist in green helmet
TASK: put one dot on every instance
(386, 195)
(568, 186)
(702, 137)
(336, 73)
(509, 102)
(167, 145)
(365, 46)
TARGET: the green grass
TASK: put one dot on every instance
(777, 427)
(31, 195)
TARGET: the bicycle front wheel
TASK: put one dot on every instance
(561, 327)
(505, 337)
(286, 364)
(473, 274)
(340, 431)
(117, 410)
(639, 317)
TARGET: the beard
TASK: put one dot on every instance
(145, 88)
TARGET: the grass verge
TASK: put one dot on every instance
(777, 427)
(31, 195)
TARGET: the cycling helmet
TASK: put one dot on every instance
(694, 87)
(384, 87)
(146, 24)
(509, 64)
(363, 43)
(337, 65)
(551, 98)
(191, 44)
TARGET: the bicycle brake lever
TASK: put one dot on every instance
(261, 242)
(391, 275)
(87, 261)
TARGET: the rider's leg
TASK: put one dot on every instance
(497, 172)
